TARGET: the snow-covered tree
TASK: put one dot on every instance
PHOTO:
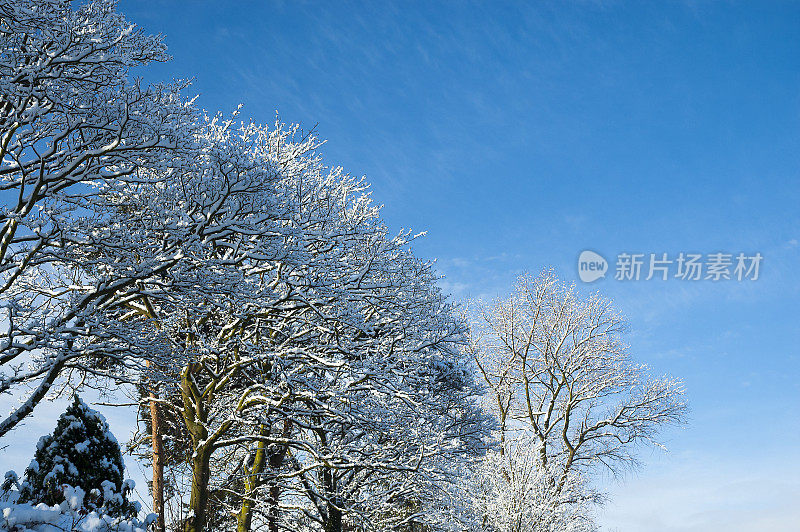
(512, 492)
(73, 128)
(559, 374)
(319, 371)
(71, 515)
(81, 453)
(310, 349)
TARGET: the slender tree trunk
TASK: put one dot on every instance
(272, 456)
(158, 464)
(195, 417)
(334, 521)
(198, 500)
(274, 512)
(252, 481)
(276, 459)
(157, 445)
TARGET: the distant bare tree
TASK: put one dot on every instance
(558, 371)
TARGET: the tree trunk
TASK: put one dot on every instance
(252, 481)
(158, 465)
(276, 458)
(195, 417)
(274, 512)
(334, 521)
(266, 455)
(198, 500)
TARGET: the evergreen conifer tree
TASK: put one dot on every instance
(81, 453)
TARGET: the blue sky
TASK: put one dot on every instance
(518, 136)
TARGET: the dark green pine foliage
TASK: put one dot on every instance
(82, 453)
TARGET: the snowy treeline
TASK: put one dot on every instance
(297, 366)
